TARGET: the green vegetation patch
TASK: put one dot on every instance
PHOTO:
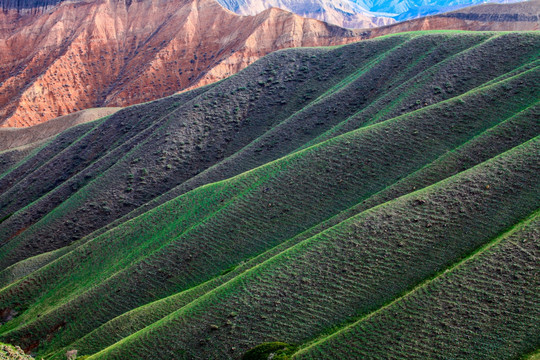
(9, 352)
(270, 350)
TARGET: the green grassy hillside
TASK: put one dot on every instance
(375, 200)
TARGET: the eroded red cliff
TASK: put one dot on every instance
(79, 55)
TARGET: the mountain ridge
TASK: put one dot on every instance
(398, 10)
(78, 63)
(346, 13)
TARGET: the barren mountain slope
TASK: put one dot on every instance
(344, 13)
(55, 60)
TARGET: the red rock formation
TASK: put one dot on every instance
(77, 55)
(523, 16)
(58, 59)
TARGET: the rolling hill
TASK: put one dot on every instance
(32, 136)
(18, 143)
(372, 200)
(61, 57)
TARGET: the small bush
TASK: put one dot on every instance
(5, 218)
(263, 351)
(228, 270)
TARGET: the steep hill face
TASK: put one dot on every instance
(343, 13)
(84, 54)
(319, 198)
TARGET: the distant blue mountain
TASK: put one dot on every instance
(397, 9)
(409, 9)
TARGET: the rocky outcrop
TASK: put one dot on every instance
(85, 54)
(21, 5)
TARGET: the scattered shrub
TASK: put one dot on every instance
(279, 350)
(228, 270)
(5, 218)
